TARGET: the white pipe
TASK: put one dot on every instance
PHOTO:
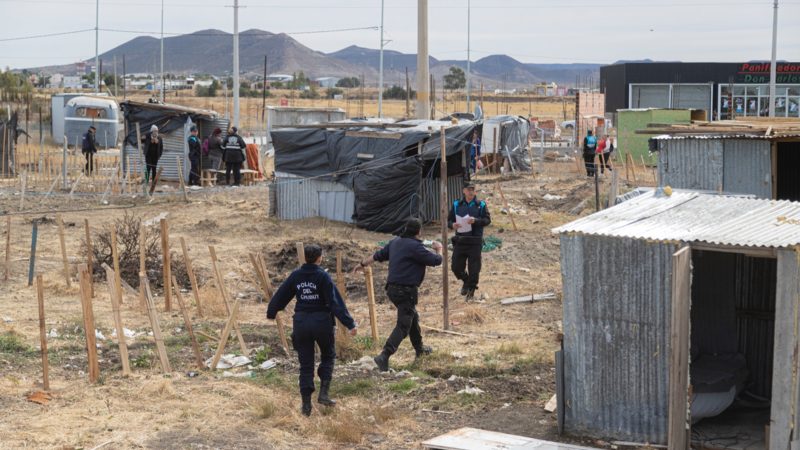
(380, 72)
(423, 78)
(162, 53)
(236, 64)
(97, 47)
(469, 23)
(773, 71)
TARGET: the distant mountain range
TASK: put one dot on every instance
(209, 52)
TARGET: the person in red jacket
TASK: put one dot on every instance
(604, 148)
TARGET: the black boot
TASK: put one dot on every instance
(464, 289)
(306, 408)
(424, 350)
(382, 361)
(323, 398)
(470, 294)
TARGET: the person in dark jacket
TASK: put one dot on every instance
(89, 148)
(215, 150)
(153, 147)
(467, 217)
(589, 151)
(408, 259)
(318, 301)
(233, 154)
(195, 153)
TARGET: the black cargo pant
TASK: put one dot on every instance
(194, 171)
(151, 161)
(89, 168)
(405, 299)
(236, 167)
(310, 329)
(588, 159)
(467, 259)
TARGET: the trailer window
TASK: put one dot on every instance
(93, 113)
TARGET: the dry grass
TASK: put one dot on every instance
(344, 428)
(266, 410)
(474, 314)
(509, 348)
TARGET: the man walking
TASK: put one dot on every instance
(408, 259)
(195, 152)
(318, 301)
(89, 148)
(153, 149)
(589, 146)
(233, 155)
(467, 217)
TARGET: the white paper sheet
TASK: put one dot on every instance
(463, 225)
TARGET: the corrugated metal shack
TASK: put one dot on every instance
(374, 175)
(173, 122)
(287, 116)
(758, 157)
(640, 278)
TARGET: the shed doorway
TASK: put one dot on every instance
(732, 320)
(787, 160)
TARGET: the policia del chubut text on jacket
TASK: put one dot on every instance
(468, 241)
(408, 259)
(318, 301)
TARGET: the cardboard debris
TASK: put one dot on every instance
(229, 361)
(39, 397)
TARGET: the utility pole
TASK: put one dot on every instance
(162, 52)
(97, 47)
(423, 76)
(773, 70)
(236, 63)
(469, 23)
(116, 90)
(380, 72)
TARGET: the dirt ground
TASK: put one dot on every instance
(506, 351)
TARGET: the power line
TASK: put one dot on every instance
(336, 30)
(37, 36)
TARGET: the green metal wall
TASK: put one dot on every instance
(628, 121)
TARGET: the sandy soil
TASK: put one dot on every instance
(507, 351)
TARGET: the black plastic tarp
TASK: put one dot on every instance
(388, 196)
(302, 152)
(167, 118)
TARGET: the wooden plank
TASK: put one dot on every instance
(64, 259)
(266, 286)
(373, 134)
(342, 336)
(192, 277)
(43, 334)
(678, 436)
(114, 293)
(188, 322)
(528, 298)
(225, 299)
(180, 179)
(784, 377)
(165, 257)
(153, 314)
(373, 317)
(223, 339)
(88, 326)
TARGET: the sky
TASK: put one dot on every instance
(532, 31)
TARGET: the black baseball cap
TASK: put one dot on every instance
(469, 185)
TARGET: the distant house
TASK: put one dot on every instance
(278, 78)
(72, 82)
(545, 89)
(327, 82)
(55, 80)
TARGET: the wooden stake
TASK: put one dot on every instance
(444, 201)
(192, 278)
(373, 319)
(223, 340)
(629, 161)
(24, 186)
(111, 275)
(63, 249)
(88, 326)
(266, 286)
(142, 264)
(32, 264)
(342, 336)
(180, 179)
(75, 186)
(155, 180)
(89, 255)
(115, 258)
(151, 311)
(166, 263)
(50, 191)
(188, 322)
(301, 253)
(8, 248)
(224, 294)
(508, 208)
(42, 334)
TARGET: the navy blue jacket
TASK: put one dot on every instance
(407, 260)
(477, 209)
(314, 291)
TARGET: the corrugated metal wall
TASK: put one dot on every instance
(617, 298)
(691, 164)
(748, 167)
(429, 196)
(312, 198)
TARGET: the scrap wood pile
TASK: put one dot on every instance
(752, 126)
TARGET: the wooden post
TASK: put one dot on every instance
(115, 258)
(266, 286)
(89, 255)
(75, 186)
(8, 248)
(153, 314)
(155, 180)
(192, 277)
(166, 265)
(342, 336)
(88, 326)
(32, 264)
(24, 186)
(373, 319)
(180, 178)
(142, 266)
(494, 149)
(224, 294)
(63, 249)
(508, 208)
(43, 334)
(301, 253)
(443, 210)
(115, 302)
(223, 340)
(188, 322)
(613, 189)
(629, 161)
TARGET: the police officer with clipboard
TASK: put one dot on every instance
(467, 217)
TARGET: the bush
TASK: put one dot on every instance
(333, 92)
(397, 93)
(349, 82)
(312, 93)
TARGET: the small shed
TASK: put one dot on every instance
(694, 296)
(174, 123)
(755, 157)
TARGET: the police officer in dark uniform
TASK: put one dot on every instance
(318, 301)
(195, 152)
(467, 217)
(408, 259)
